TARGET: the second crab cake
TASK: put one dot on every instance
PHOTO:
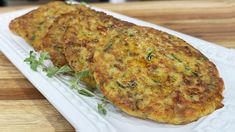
(145, 72)
(66, 27)
(153, 75)
(34, 25)
(54, 39)
(80, 39)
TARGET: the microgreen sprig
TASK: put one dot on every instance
(36, 62)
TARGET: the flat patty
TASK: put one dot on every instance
(145, 72)
(34, 25)
(62, 33)
(54, 39)
(153, 75)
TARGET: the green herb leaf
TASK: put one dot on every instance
(51, 71)
(187, 68)
(107, 47)
(33, 37)
(34, 65)
(73, 83)
(101, 109)
(156, 81)
(195, 74)
(149, 56)
(173, 56)
(85, 93)
(120, 84)
(32, 57)
(32, 61)
(43, 56)
(64, 69)
(82, 74)
(132, 84)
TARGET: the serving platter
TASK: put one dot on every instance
(81, 111)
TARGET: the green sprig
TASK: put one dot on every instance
(101, 109)
(53, 71)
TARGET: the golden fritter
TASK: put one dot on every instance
(80, 38)
(54, 39)
(145, 72)
(153, 75)
(34, 25)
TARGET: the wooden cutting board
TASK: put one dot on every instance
(23, 108)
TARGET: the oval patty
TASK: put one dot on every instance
(145, 72)
(151, 74)
(54, 39)
(61, 37)
(34, 25)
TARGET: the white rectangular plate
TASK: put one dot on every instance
(81, 111)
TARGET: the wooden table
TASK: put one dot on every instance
(23, 108)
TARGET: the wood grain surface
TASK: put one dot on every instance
(23, 108)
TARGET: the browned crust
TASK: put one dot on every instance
(34, 25)
(177, 85)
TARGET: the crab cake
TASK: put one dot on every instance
(54, 39)
(34, 25)
(65, 27)
(145, 72)
(79, 40)
(153, 75)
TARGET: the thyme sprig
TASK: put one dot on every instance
(36, 62)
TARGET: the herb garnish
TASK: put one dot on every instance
(120, 85)
(107, 47)
(33, 37)
(173, 56)
(53, 71)
(130, 84)
(101, 109)
(149, 56)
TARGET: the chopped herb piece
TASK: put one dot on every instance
(107, 47)
(150, 56)
(170, 36)
(33, 37)
(82, 74)
(120, 85)
(101, 109)
(156, 81)
(172, 56)
(195, 74)
(132, 84)
(85, 93)
(187, 68)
